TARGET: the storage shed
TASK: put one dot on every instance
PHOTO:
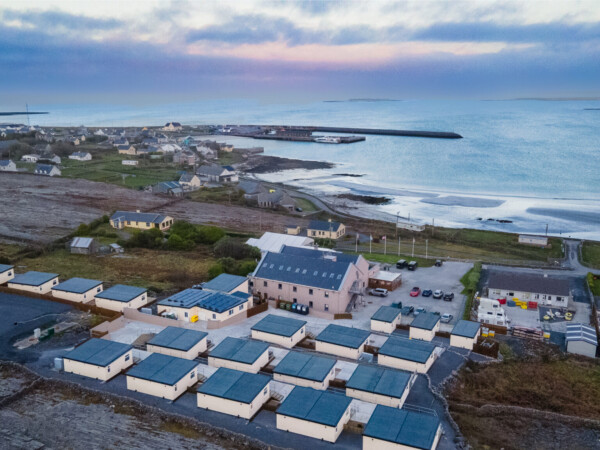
(120, 296)
(385, 319)
(162, 376)
(240, 354)
(179, 342)
(386, 280)
(342, 341)
(79, 290)
(7, 273)
(378, 385)
(581, 339)
(398, 429)
(236, 393)
(465, 334)
(304, 369)
(313, 413)
(83, 246)
(279, 330)
(407, 354)
(424, 326)
(38, 282)
(99, 358)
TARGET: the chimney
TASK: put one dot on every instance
(137, 210)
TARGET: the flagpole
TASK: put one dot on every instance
(426, 245)
(398, 246)
(385, 245)
(370, 244)
(413, 250)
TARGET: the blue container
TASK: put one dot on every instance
(294, 307)
(511, 303)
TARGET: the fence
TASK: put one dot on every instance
(257, 309)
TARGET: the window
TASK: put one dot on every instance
(315, 273)
(192, 375)
(280, 286)
(295, 300)
(310, 304)
(310, 292)
(99, 289)
(84, 295)
(175, 387)
(326, 294)
(127, 357)
(147, 224)
(241, 307)
(10, 274)
(301, 330)
(559, 299)
(214, 316)
(264, 283)
(143, 297)
(230, 311)
(294, 289)
(108, 369)
(265, 391)
(304, 272)
(511, 294)
(185, 314)
(55, 281)
(326, 308)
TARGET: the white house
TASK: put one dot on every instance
(190, 181)
(465, 334)
(240, 354)
(7, 273)
(179, 342)
(78, 290)
(99, 358)
(424, 326)
(119, 297)
(283, 331)
(30, 158)
(47, 169)
(217, 174)
(542, 289)
(6, 165)
(172, 126)
(81, 156)
(32, 281)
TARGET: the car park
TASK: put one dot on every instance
(414, 292)
(446, 318)
(412, 265)
(420, 310)
(401, 264)
(449, 297)
(379, 292)
(438, 294)
(426, 293)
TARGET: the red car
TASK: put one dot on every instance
(414, 292)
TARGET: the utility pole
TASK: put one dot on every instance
(397, 220)
(398, 246)
(413, 249)
(546, 230)
(432, 226)
(426, 247)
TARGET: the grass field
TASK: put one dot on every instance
(224, 195)
(392, 259)
(306, 205)
(591, 254)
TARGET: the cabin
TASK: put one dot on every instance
(81, 156)
(283, 331)
(342, 341)
(119, 297)
(83, 246)
(99, 358)
(78, 290)
(386, 319)
(581, 340)
(305, 369)
(465, 334)
(240, 354)
(236, 393)
(162, 376)
(410, 355)
(7, 273)
(36, 282)
(379, 385)
(314, 413)
(139, 220)
(424, 326)
(179, 342)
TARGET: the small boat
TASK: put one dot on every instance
(328, 140)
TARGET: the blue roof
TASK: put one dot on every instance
(310, 404)
(212, 301)
(281, 326)
(162, 369)
(177, 338)
(408, 349)
(466, 328)
(403, 427)
(319, 254)
(234, 385)
(224, 282)
(386, 314)
(99, 352)
(313, 270)
(323, 225)
(33, 278)
(5, 267)
(121, 293)
(239, 350)
(344, 336)
(77, 285)
(305, 365)
(377, 380)
(425, 321)
(128, 216)
(5, 162)
(45, 168)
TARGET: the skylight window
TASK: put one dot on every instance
(297, 269)
(304, 272)
(324, 274)
(289, 268)
(280, 267)
(316, 273)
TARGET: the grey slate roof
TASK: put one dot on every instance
(377, 380)
(323, 407)
(425, 321)
(306, 366)
(466, 328)
(205, 299)
(408, 428)
(281, 326)
(99, 352)
(581, 332)
(82, 242)
(129, 216)
(343, 336)
(77, 285)
(323, 225)
(5, 268)
(533, 283)
(319, 254)
(177, 338)
(234, 385)
(408, 349)
(239, 350)
(33, 278)
(210, 170)
(121, 293)
(309, 269)
(162, 369)
(386, 314)
(186, 177)
(224, 282)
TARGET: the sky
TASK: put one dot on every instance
(54, 51)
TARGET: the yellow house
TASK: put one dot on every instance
(98, 358)
(179, 342)
(119, 297)
(32, 281)
(385, 319)
(283, 331)
(139, 220)
(424, 326)
(320, 229)
(78, 290)
(240, 354)
(465, 334)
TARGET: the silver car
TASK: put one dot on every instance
(379, 292)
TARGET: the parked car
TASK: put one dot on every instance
(414, 292)
(449, 297)
(420, 310)
(438, 263)
(298, 209)
(427, 293)
(412, 265)
(446, 318)
(379, 292)
(438, 294)
(408, 309)
(401, 264)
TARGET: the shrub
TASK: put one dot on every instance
(208, 234)
(215, 270)
(232, 248)
(176, 242)
(152, 238)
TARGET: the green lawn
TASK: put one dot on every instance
(591, 254)
(393, 258)
(306, 205)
